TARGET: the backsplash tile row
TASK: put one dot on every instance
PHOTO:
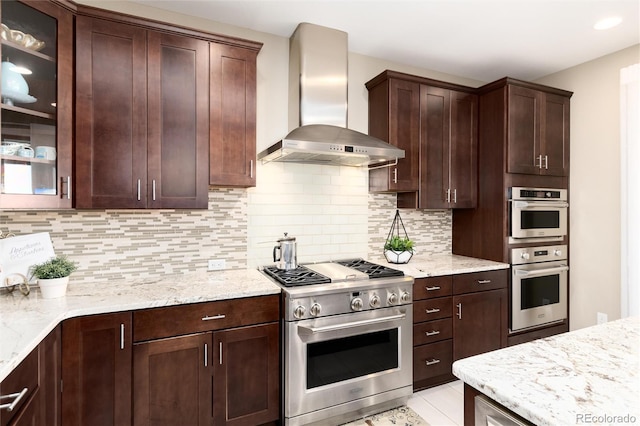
(328, 209)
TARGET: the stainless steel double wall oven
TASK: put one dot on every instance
(347, 340)
(538, 223)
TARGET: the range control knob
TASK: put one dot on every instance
(524, 256)
(356, 304)
(406, 297)
(393, 299)
(374, 302)
(315, 309)
(557, 252)
(299, 311)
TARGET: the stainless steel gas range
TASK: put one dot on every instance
(347, 336)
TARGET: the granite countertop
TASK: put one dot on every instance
(586, 376)
(25, 321)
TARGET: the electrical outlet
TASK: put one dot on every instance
(216, 265)
(601, 318)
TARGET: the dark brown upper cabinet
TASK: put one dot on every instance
(537, 132)
(37, 122)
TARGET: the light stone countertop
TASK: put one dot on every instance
(587, 376)
(26, 321)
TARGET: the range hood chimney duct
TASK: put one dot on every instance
(318, 67)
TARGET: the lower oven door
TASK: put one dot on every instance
(335, 360)
(538, 294)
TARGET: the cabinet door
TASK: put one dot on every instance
(464, 149)
(41, 119)
(554, 135)
(111, 115)
(232, 141)
(50, 378)
(31, 413)
(523, 130)
(435, 190)
(479, 322)
(96, 370)
(178, 138)
(172, 381)
(246, 375)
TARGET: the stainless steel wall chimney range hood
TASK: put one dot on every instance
(318, 105)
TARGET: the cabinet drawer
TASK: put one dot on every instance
(24, 376)
(432, 360)
(480, 281)
(171, 321)
(428, 288)
(431, 309)
(432, 331)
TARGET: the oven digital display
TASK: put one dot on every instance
(541, 252)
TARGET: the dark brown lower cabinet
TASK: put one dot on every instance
(172, 381)
(228, 377)
(31, 412)
(96, 370)
(479, 322)
(51, 378)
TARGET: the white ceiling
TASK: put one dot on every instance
(478, 39)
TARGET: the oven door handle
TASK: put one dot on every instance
(344, 326)
(553, 204)
(542, 271)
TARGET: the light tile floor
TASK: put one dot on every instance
(440, 406)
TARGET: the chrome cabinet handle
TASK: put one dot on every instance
(432, 333)
(432, 361)
(153, 189)
(395, 175)
(539, 162)
(68, 187)
(448, 195)
(432, 311)
(546, 162)
(455, 196)
(138, 189)
(484, 281)
(206, 354)
(215, 317)
(459, 313)
(220, 353)
(435, 287)
(121, 336)
(251, 169)
(18, 396)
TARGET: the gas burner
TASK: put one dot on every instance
(373, 270)
(296, 277)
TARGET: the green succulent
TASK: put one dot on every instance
(56, 267)
(397, 243)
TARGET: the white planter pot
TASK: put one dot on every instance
(398, 256)
(54, 287)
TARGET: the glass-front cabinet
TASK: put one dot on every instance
(36, 108)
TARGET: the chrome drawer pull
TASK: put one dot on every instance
(432, 333)
(435, 287)
(432, 361)
(215, 317)
(484, 281)
(432, 311)
(18, 396)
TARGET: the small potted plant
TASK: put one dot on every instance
(53, 276)
(398, 249)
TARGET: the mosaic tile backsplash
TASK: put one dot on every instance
(328, 209)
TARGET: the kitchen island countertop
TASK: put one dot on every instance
(585, 376)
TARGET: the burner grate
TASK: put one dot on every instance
(372, 269)
(296, 277)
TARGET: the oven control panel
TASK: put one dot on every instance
(343, 302)
(524, 255)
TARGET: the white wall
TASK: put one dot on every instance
(595, 184)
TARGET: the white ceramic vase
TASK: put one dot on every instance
(53, 287)
(398, 256)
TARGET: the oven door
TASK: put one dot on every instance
(538, 294)
(347, 358)
(531, 219)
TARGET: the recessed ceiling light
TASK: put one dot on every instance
(606, 23)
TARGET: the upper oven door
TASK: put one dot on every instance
(337, 359)
(531, 219)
